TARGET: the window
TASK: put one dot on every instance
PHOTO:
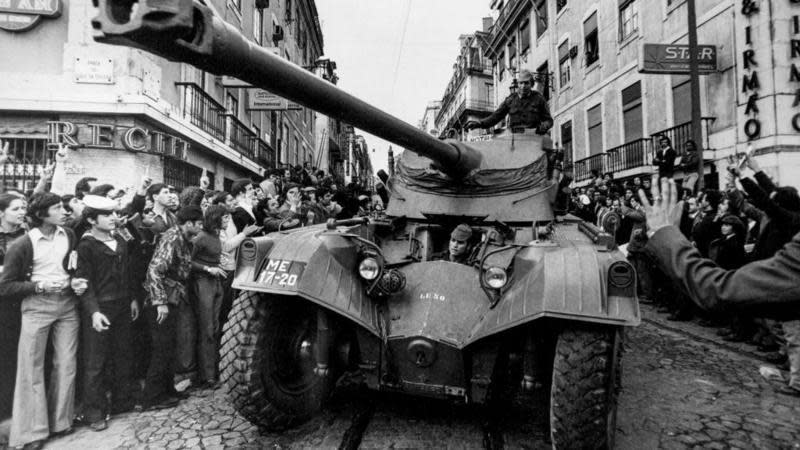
(628, 19)
(632, 112)
(512, 54)
(501, 65)
(590, 41)
(524, 37)
(181, 174)
(541, 17)
(258, 25)
(564, 64)
(231, 104)
(566, 141)
(288, 11)
(594, 121)
(560, 4)
(681, 99)
(543, 77)
(257, 131)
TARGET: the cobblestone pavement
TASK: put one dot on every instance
(682, 389)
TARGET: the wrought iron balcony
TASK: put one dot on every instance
(240, 137)
(679, 134)
(629, 155)
(202, 110)
(265, 154)
(583, 167)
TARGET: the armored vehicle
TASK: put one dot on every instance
(540, 302)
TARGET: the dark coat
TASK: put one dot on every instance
(767, 288)
(780, 224)
(704, 231)
(107, 270)
(727, 252)
(15, 281)
(665, 161)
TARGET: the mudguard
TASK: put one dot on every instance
(312, 263)
(565, 280)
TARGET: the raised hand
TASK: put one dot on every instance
(665, 210)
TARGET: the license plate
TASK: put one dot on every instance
(281, 273)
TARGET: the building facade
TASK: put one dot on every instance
(608, 114)
(428, 121)
(470, 92)
(126, 112)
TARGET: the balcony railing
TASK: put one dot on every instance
(629, 155)
(499, 24)
(584, 167)
(679, 134)
(241, 138)
(266, 154)
(202, 110)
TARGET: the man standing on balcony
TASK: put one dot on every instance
(527, 108)
(664, 158)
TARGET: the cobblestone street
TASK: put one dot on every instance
(681, 389)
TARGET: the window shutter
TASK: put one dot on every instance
(563, 52)
(590, 24)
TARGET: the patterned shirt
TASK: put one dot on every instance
(524, 112)
(169, 268)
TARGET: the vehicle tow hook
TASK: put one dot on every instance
(323, 344)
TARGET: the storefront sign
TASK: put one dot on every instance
(261, 100)
(21, 15)
(94, 70)
(135, 139)
(674, 58)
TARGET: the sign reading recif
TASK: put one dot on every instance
(674, 58)
(21, 15)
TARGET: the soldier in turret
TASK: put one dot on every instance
(458, 250)
(527, 108)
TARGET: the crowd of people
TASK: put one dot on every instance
(112, 301)
(749, 220)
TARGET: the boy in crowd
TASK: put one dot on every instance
(167, 278)
(107, 309)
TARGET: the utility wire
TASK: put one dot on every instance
(400, 51)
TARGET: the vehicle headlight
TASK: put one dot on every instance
(495, 277)
(369, 268)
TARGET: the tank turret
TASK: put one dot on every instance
(192, 33)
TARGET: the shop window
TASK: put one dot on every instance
(628, 18)
(564, 64)
(26, 159)
(632, 112)
(181, 174)
(594, 121)
(590, 40)
(541, 17)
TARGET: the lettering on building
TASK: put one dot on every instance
(794, 71)
(108, 136)
(750, 82)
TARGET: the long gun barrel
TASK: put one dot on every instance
(188, 31)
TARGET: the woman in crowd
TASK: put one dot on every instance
(12, 225)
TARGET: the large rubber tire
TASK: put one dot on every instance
(267, 384)
(585, 387)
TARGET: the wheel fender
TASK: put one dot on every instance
(302, 264)
(563, 282)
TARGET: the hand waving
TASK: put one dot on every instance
(665, 210)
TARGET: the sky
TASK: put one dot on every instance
(397, 55)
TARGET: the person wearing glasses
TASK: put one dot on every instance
(526, 108)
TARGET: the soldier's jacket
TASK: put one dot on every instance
(169, 268)
(524, 112)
